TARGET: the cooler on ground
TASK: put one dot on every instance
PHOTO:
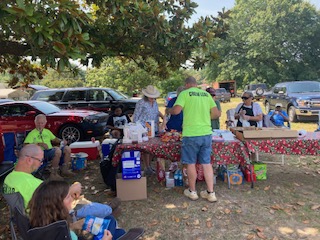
(88, 147)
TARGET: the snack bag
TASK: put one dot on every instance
(96, 226)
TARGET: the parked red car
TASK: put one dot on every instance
(72, 125)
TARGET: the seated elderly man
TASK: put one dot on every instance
(21, 180)
(44, 138)
(278, 116)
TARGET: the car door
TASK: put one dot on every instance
(76, 99)
(99, 100)
(15, 118)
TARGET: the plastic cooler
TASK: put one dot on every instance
(107, 145)
(88, 147)
(78, 161)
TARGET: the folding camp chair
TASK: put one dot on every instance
(14, 201)
(56, 230)
(231, 121)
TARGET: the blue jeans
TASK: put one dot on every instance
(196, 149)
(94, 209)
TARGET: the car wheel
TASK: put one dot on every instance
(71, 133)
(259, 91)
(267, 106)
(292, 114)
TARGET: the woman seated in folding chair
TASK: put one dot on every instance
(51, 202)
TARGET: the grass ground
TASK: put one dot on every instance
(308, 126)
(286, 206)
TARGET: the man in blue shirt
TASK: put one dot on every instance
(278, 116)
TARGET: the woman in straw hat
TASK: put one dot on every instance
(147, 109)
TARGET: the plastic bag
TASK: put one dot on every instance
(245, 123)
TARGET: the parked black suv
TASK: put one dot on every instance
(301, 99)
(257, 89)
(97, 99)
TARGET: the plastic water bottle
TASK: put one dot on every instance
(176, 177)
(180, 178)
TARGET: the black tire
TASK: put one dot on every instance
(71, 133)
(292, 114)
(267, 107)
(259, 91)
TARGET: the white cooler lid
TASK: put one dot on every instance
(109, 140)
(85, 144)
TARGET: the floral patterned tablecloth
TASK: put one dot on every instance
(227, 152)
(308, 145)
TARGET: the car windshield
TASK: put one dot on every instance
(299, 87)
(221, 90)
(46, 108)
(259, 85)
(117, 95)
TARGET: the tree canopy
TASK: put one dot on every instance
(55, 31)
(269, 41)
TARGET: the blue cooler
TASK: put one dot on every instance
(107, 145)
(79, 161)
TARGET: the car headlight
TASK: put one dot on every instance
(91, 120)
(304, 103)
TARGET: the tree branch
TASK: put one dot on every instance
(13, 48)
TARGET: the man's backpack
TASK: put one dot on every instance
(108, 171)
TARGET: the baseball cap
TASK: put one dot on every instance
(211, 91)
(278, 105)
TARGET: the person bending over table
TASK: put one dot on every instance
(147, 109)
(248, 111)
(198, 109)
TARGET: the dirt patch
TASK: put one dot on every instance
(285, 206)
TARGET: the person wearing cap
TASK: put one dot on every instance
(147, 109)
(278, 116)
(198, 109)
(248, 111)
(215, 122)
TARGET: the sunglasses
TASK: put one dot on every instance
(245, 98)
(38, 159)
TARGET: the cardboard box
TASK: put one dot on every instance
(133, 189)
(253, 133)
(260, 170)
(88, 147)
(150, 127)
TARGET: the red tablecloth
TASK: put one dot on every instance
(309, 145)
(228, 152)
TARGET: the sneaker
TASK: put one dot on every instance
(191, 194)
(211, 197)
(173, 167)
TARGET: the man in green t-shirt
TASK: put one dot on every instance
(198, 110)
(21, 180)
(44, 137)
